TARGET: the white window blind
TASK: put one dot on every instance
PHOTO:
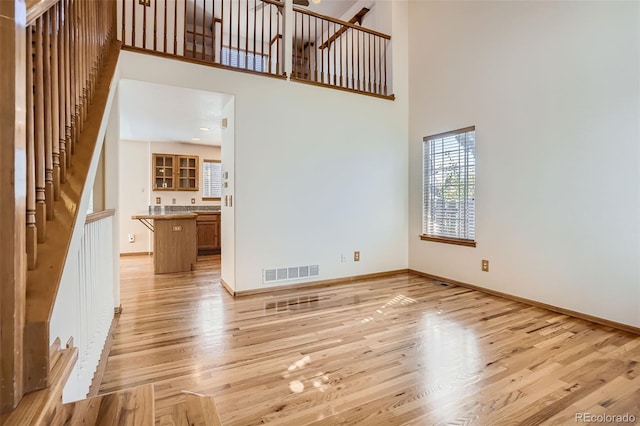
(449, 185)
(212, 175)
(241, 59)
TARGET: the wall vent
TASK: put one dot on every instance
(274, 275)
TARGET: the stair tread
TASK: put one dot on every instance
(134, 406)
(38, 406)
(201, 410)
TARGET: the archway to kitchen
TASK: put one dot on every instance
(176, 155)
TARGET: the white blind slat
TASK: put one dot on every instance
(234, 57)
(449, 169)
(212, 182)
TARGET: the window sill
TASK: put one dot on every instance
(455, 241)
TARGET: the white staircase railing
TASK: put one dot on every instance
(85, 302)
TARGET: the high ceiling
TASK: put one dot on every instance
(333, 8)
(155, 112)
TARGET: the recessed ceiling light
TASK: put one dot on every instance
(195, 139)
(204, 129)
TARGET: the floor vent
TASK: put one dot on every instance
(440, 283)
(274, 275)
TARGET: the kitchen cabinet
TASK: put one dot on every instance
(175, 172)
(208, 230)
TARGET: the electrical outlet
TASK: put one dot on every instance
(131, 238)
(193, 201)
(173, 200)
(356, 256)
(158, 200)
(485, 265)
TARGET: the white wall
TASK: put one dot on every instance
(136, 194)
(112, 186)
(228, 224)
(318, 172)
(553, 89)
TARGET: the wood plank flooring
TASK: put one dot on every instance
(396, 350)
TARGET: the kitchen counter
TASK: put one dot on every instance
(163, 216)
(174, 242)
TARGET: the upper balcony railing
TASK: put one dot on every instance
(248, 35)
(332, 52)
(242, 34)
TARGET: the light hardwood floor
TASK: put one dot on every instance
(396, 350)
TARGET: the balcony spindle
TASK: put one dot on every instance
(246, 34)
(237, 27)
(155, 24)
(144, 26)
(277, 42)
(384, 69)
(335, 62)
(213, 31)
(175, 27)
(204, 29)
(165, 28)
(359, 87)
(370, 88)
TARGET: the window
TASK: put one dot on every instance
(234, 57)
(449, 187)
(212, 180)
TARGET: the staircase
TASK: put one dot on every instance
(44, 407)
(128, 407)
(65, 57)
(71, 58)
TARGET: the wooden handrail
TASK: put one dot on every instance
(36, 8)
(274, 2)
(343, 23)
(357, 18)
(96, 216)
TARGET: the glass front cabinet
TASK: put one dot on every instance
(175, 172)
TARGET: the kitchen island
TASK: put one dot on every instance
(174, 242)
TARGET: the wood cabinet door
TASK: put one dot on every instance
(208, 232)
(163, 172)
(208, 236)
